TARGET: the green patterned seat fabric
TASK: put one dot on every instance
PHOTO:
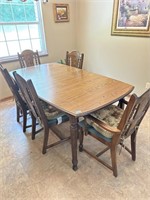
(110, 115)
(49, 111)
(54, 117)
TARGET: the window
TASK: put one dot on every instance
(21, 28)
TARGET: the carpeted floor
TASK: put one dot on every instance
(26, 174)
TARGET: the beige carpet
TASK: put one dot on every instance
(26, 174)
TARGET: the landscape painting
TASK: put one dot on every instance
(131, 18)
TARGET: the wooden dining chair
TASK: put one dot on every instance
(112, 125)
(28, 58)
(47, 116)
(21, 106)
(74, 59)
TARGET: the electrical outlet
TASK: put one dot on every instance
(147, 85)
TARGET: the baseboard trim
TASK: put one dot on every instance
(6, 99)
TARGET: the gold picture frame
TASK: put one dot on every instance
(61, 12)
(131, 18)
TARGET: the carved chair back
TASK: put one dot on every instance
(134, 113)
(13, 87)
(31, 98)
(28, 58)
(21, 106)
(74, 59)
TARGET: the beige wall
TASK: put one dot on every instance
(59, 38)
(123, 58)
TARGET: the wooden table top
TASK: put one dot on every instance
(74, 91)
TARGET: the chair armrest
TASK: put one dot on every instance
(104, 125)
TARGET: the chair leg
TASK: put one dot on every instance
(18, 113)
(46, 135)
(114, 160)
(81, 136)
(120, 104)
(133, 146)
(33, 127)
(24, 120)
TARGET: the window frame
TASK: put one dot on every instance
(41, 32)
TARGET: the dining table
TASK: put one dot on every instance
(77, 92)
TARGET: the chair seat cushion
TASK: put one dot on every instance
(110, 115)
(53, 116)
(93, 131)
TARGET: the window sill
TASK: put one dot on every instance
(15, 58)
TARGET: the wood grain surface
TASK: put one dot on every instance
(74, 91)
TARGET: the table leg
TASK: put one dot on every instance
(73, 133)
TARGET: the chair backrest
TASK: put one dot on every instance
(28, 58)
(31, 97)
(134, 113)
(13, 86)
(74, 59)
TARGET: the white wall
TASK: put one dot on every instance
(123, 58)
(59, 38)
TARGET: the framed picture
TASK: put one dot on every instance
(131, 18)
(61, 12)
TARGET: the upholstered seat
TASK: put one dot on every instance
(110, 115)
(53, 116)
